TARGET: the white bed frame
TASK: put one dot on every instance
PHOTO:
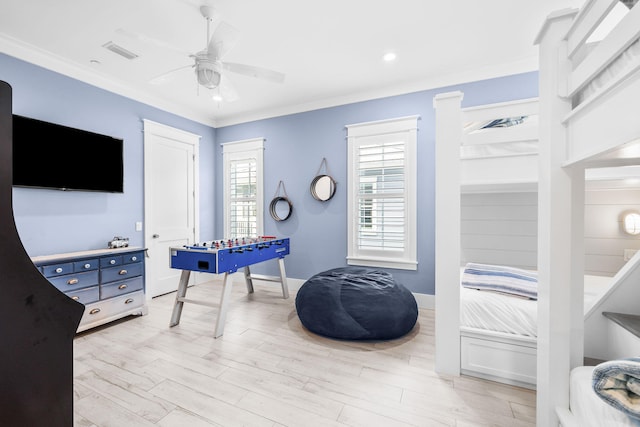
(497, 356)
(602, 131)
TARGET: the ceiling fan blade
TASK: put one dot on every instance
(224, 38)
(150, 40)
(227, 90)
(168, 76)
(257, 72)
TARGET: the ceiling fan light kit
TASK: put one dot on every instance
(207, 73)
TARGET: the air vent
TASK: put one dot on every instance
(119, 50)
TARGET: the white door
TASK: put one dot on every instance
(171, 206)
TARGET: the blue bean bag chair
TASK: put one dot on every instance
(356, 303)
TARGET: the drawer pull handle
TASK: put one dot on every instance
(134, 258)
(113, 261)
(129, 301)
(72, 282)
(95, 311)
(75, 298)
(122, 272)
(87, 266)
(123, 286)
(59, 270)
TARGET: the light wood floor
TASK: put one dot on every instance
(267, 370)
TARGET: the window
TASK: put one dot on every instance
(382, 193)
(243, 195)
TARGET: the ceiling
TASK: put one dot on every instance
(330, 51)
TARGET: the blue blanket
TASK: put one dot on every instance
(497, 278)
(617, 382)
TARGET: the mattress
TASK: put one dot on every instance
(514, 315)
(588, 409)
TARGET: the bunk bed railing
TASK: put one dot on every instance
(585, 23)
(598, 76)
(628, 273)
(621, 297)
(525, 107)
(499, 158)
(625, 33)
(503, 110)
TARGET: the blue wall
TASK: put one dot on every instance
(296, 144)
(53, 221)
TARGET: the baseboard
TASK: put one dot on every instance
(425, 301)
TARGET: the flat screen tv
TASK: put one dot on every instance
(47, 155)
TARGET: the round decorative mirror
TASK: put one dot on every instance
(280, 208)
(323, 187)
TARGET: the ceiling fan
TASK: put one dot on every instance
(209, 66)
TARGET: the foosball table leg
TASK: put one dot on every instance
(283, 279)
(182, 291)
(224, 304)
(247, 279)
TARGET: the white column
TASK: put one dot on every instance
(447, 232)
(576, 298)
(557, 227)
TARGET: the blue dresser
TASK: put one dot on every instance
(109, 282)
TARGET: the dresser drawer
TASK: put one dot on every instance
(133, 257)
(111, 308)
(57, 269)
(121, 287)
(110, 261)
(86, 265)
(85, 295)
(75, 280)
(121, 272)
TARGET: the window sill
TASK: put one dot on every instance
(383, 263)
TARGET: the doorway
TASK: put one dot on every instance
(170, 200)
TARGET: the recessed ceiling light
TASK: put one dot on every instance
(390, 56)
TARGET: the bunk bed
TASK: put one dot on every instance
(498, 152)
(587, 126)
(588, 101)
(475, 156)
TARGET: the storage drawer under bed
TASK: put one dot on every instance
(498, 360)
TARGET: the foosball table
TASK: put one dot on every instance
(226, 257)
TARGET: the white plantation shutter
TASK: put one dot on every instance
(382, 214)
(243, 195)
(381, 207)
(243, 202)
